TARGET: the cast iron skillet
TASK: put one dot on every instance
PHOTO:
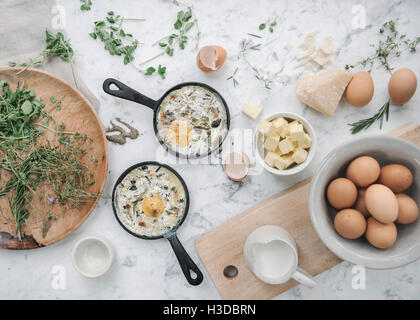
(186, 263)
(128, 93)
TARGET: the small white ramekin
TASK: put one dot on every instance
(259, 145)
(92, 256)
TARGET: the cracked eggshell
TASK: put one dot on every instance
(211, 58)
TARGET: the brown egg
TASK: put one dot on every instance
(396, 177)
(211, 58)
(360, 90)
(381, 203)
(402, 86)
(381, 235)
(363, 171)
(360, 204)
(408, 211)
(341, 193)
(350, 224)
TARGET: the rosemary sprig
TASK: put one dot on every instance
(116, 40)
(56, 46)
(393, 46)
(366, 123)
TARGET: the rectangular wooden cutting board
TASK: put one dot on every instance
(289, 209)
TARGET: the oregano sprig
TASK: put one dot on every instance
(116, 40)
(86, 5)
(56, 46)
(161, 70)
(179, 38)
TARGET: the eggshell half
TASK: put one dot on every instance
(211, 58)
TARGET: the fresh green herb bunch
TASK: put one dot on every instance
(33, 165)
(392, 47)
(18, 111)
(56, 46)
(86, 5)
(116, 40)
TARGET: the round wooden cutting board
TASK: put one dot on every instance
(77, 115)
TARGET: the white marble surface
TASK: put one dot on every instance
(149, 270)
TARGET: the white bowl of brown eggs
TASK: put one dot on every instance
(364, 202)
(284, 143)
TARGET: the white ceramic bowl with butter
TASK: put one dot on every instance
(386, 150)
(259, 145)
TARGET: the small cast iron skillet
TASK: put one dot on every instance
(128, 93)
(186, 263)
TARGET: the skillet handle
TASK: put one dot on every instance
(125, 92)
(186, 263)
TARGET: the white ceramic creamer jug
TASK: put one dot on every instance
(271, 254)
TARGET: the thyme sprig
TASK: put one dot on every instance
(392, 47)
(246, 46)
(116, 40)
(364, 124)
(56, 46)
(235, 82)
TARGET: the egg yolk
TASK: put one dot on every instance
(179, 133)
(153, 206)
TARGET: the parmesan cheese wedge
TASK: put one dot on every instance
(324, 90)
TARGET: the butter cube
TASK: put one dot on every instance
(286, 145)
(284, 162)
(271, 158)
(271, 143)
(264, 127)
(252, 111)
(306, 142)
(282, 126)
(279, 122)
(300, 155)
(273, 132)
(296, 131)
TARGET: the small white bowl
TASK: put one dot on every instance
(259, 145)
(92, 256)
